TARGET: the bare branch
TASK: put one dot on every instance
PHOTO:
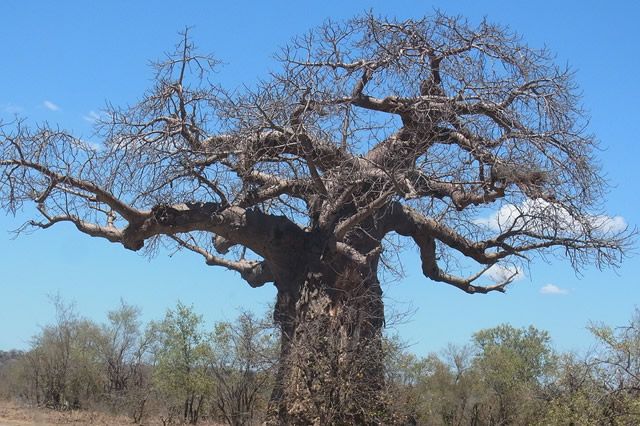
(256, 273)
(101, 195)
(363, 213)
(106, 232)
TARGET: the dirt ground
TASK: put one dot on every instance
(15, 414)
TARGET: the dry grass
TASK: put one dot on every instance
(16, 414)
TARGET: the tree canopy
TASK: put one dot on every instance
(423, 122)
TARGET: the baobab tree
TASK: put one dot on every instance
(371, 129)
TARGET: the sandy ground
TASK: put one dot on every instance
(12, 414)
(15, 414)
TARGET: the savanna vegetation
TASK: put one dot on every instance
(176, 370)
(173, 369)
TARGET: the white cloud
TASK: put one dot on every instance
(95, 146)
(553, 289)
(541, 216)
(497, 220)
(51, 106)
(11, 109)
(607, 225)
(499, 273)
(91, 117)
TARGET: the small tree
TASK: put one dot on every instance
(124, 352)
(243, 363)
(11, 363)
(515, 364)
(617, 370)
(403, 373)
(369, 128)
(182, 351)
(575, 397)
(438, 390)
(63, 365)
(50, 357)
(119, 348)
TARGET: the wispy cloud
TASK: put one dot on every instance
(51, 106)
(91, 117)
(95, 146)
(11, 108)
(499, 273)
(553, 289)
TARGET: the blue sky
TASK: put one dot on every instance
(61, 61)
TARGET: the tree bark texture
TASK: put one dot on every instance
(331, 361)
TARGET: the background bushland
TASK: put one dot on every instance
(179, 371)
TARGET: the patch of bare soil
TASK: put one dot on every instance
(16, 414)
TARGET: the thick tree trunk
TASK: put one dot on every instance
(331, 358)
